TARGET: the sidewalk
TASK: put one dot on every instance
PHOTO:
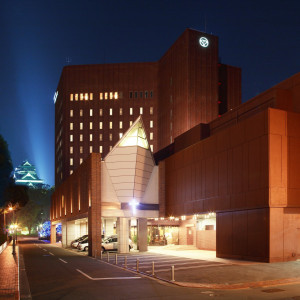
(9, 274)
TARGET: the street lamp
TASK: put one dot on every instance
(133, 203)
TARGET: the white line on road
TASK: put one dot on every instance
(63, 260)
(45, 249)
(107, 278)
(51, 253)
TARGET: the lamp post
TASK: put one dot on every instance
(14, 226)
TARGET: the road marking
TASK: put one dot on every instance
(51, 253)
(45, 249)
(107, 278)
(63, 260)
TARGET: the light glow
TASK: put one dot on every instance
(133, 203)
(203, 41)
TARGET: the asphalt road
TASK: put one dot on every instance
(56, 273)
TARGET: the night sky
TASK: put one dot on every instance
(37, 38)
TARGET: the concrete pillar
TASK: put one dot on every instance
(64, 234)
(142, 243)
(123, 235)
(72, 233)
(53, 234)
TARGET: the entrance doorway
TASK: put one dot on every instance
(189, 236)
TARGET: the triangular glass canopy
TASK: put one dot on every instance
(136, 136)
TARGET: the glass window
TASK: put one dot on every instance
(130, 95)
(100, 149)
(146, 94)
(135, 94)
(71, 150)
(111, 95)
(110, 136)
(91, 125)
(91, 96)
(141, 110)
(151, 94)
(101, 96)
(141, 94)
(71, 97)
(100, 112)
(81, 126)
(91, 149)
(121, 111)
(71, 137)
(81, 96)
(71, 161)
(130, 123)
(100, 125)
(120, 135)
(91, 112)
(151, 110)
(86, 96)
(110, 148)
(76, 97)
(131, 111)
(81, 137)
(121, 125)
(105, 95)
(151, 135)
(81, 112)
(151, 124)
(71, 172)
(71, 113)
(110, 125)
(91, 137)
(110, 111)
(100, 137)
(151, 147)
(116, 96)
(81, 160)
(81, 149)
(71, 126)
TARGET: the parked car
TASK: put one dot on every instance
(83, 245)
(111, 243)
(74, 244)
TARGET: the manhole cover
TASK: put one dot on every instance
(273, 290)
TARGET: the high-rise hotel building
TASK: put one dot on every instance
(96, 104)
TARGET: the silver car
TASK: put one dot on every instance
(111, 243)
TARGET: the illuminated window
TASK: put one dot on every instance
(91, 125)
(91, 96)
(151, 135)
(100, 149)
(151, 110)
(71, 161)
(80, 125)
(141, 110)
(121, 125)
(71, 150)
(106, 96)
(131, 111)
(100, 137)
(120, 135)
(146, 94)
(81, 96)
(71, 126)
(71, 138)
(111, 95)
(110, 136)
(81, 137)
(91, 149)
(81, 113)
(81, 149)
(71, 172)
(151, 94)
(110, 111)
(130, 95)
(71, 97)
(130, 123)
(91, 137)
(81, 160)
(110, 125)
(151, 124)
(101, 96)
(116, 96)
(76, 97)
(135, 94)
(121, 111)
(151, 147)
(71, 113)
(100, 125)
(86, 96)
(110, 147)
(100, 112)
(91, 112)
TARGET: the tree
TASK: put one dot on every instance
(6, 168)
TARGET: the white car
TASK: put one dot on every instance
(111, 243)
(83, 246)
(75, 243)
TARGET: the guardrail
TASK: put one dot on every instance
(3, 247)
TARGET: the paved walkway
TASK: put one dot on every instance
(9, 274)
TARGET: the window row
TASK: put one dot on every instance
(91, 137)
(140, 94)
(91, 111)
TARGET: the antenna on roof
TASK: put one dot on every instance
(68, 60)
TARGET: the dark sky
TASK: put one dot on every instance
(37, 37)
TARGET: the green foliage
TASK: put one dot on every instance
(6, 169)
